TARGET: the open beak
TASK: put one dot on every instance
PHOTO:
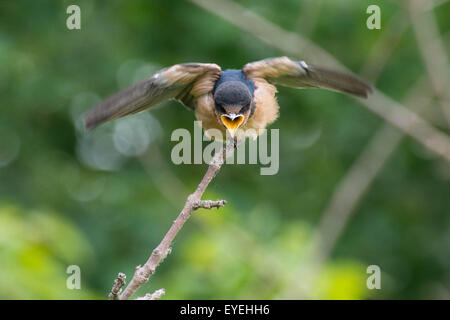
(232, 121)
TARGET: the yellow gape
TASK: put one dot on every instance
(232, 123)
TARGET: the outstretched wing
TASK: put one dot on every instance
(298, 74)
(183, 82)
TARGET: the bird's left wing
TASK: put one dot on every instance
(298, 74)
(183, 82)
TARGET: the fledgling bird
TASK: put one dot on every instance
(225, 100)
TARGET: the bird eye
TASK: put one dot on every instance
(245, 108)
(221, 108)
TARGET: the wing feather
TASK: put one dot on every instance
(176, 82)
(298, 74)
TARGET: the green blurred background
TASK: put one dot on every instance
(103, 200)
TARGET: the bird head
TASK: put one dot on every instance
(232, 105)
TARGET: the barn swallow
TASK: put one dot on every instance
(225, 100)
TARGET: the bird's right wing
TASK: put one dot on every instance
(298, 74)
(183, 82)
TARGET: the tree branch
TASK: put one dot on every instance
(153, 296)
(193, 202)
(119, 283)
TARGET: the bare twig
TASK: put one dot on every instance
(209, 204)
(153, 296)
(119, 283)
(431, 48)
(193, 202)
